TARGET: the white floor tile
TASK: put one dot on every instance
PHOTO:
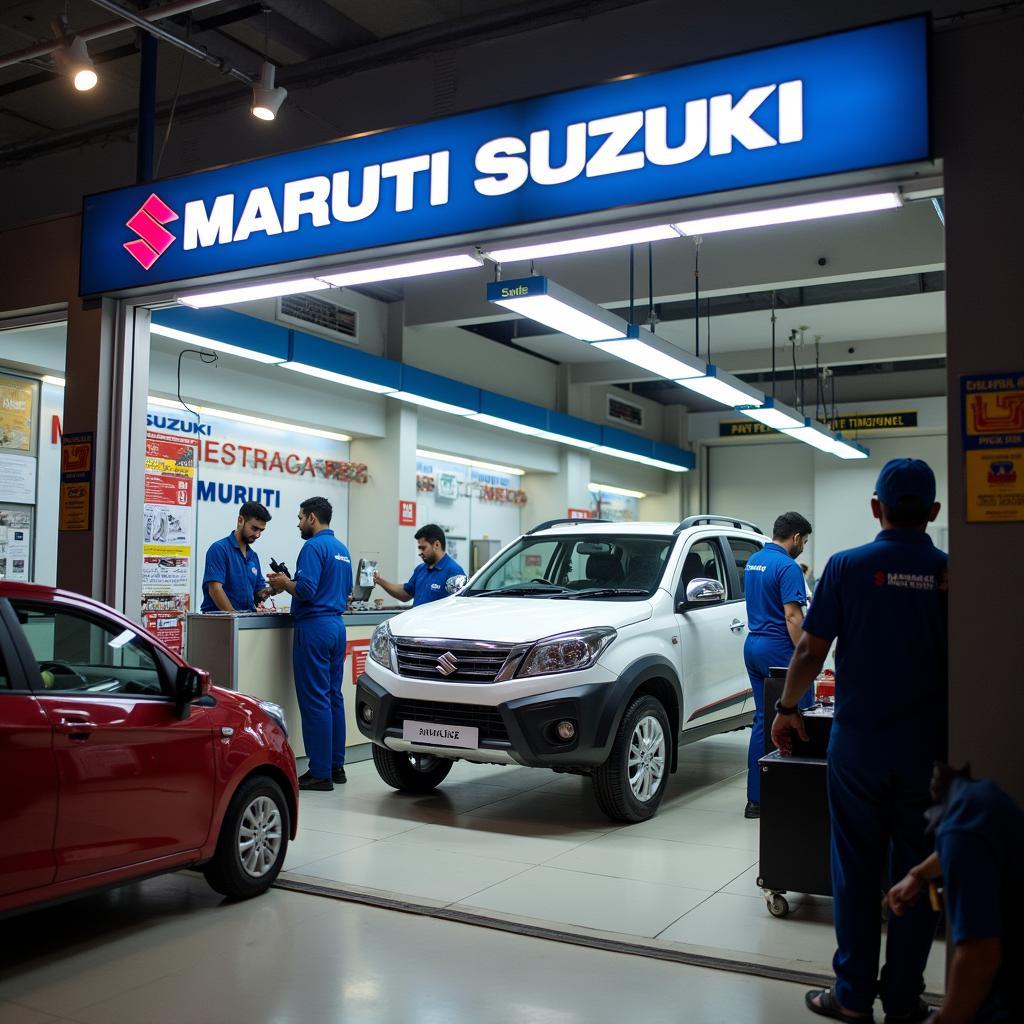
(590, 901)
(310, 845)
(700, 827)
(483, 839)
(413, 870)
(627, 855)
(13, 1013)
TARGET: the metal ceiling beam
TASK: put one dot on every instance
(108, 28)
(168, 37)
(323, 22)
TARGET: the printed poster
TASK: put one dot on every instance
(18, 478)
(993, 436)
(76, 475)
(17, 407)
(169, 529)
(15, 544)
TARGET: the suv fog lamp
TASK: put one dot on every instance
(366, 712)
(566, 731)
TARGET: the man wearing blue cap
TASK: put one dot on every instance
(886, 604)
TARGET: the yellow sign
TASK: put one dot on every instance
(17, 401)
(993, 436)
(847, 423)
(75, 507)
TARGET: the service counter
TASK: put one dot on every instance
(252, 652)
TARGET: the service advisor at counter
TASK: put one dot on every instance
(429, 581)
(232, 578)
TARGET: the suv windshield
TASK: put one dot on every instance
(571, 566)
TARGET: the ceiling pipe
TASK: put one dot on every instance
(168, 37)
(108, 28)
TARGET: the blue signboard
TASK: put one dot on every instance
(821, 106)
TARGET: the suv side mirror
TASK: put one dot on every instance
(702, 591)
(456, 583)
(190, 684)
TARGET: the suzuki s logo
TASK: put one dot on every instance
(154, 239)
(447, 663)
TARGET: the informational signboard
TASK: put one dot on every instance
(76, 478)
(847, 423)
(407, 513)
(15, 544)
(993, 436)
(169, 530)
(579, 513)
(820, 106)
(358, 650)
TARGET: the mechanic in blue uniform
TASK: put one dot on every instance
(429, 581)
(775, 591)
(886, 604)
(979, 839)
(232, 579)
(320, 593)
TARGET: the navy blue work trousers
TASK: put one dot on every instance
(759, 654)
(877, 810)
(318, 665)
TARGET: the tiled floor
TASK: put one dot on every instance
(534, 846)
(169, 951)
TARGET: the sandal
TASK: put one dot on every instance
(827, 1006)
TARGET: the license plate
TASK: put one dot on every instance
(435, 734)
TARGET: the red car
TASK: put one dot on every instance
(119, 760)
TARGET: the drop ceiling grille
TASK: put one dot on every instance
(326, 317)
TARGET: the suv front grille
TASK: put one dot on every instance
(473, 661)
(487, 720)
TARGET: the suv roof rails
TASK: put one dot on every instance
(740, 524)
(557, 522)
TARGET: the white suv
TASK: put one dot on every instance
(584, 646)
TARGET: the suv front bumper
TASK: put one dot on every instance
(520, 731)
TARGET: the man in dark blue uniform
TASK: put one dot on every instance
(886, 603)
(320, 593)
(232, 579)
(430, 578)
(979, 838)
(775, 591)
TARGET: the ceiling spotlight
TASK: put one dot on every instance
(73, 60)
(267, 97)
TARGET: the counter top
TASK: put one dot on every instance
(283, 620)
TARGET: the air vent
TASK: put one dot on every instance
(325, 317)
(629, 413)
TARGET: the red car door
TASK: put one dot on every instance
(136, 783)
(28, 812)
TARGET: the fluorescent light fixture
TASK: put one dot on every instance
(266, 96)
(548, 303)
(248, 293)
(73, 60)
(493, 467)
(338, 378)
(431, 403)
(791, 214)
(589, 243)
(58, 382)
(643, 460)
(651, 353)
(210, 343)
(846, 448)
(395, 271)
(523, 428)
(774, 414)
(608, 489)
(724, 387)
(241, 417)
(814, 434)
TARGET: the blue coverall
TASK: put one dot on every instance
(323, 583)
(886, 603)
(771, 580)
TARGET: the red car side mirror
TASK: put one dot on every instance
(190, 684)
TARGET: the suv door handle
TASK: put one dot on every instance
(736, 625)
(75, 726)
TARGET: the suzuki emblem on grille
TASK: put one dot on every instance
(447, 663)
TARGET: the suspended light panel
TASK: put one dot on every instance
(724, 387)
(548, 303)
(645, 349)
(589, 243)
(410, 268)
(773, 414)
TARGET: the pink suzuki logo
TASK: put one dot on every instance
(154, 239)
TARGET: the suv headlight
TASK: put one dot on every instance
(380, 646)
(568, 652)
(276, 712)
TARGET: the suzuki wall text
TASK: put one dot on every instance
(586, 647)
